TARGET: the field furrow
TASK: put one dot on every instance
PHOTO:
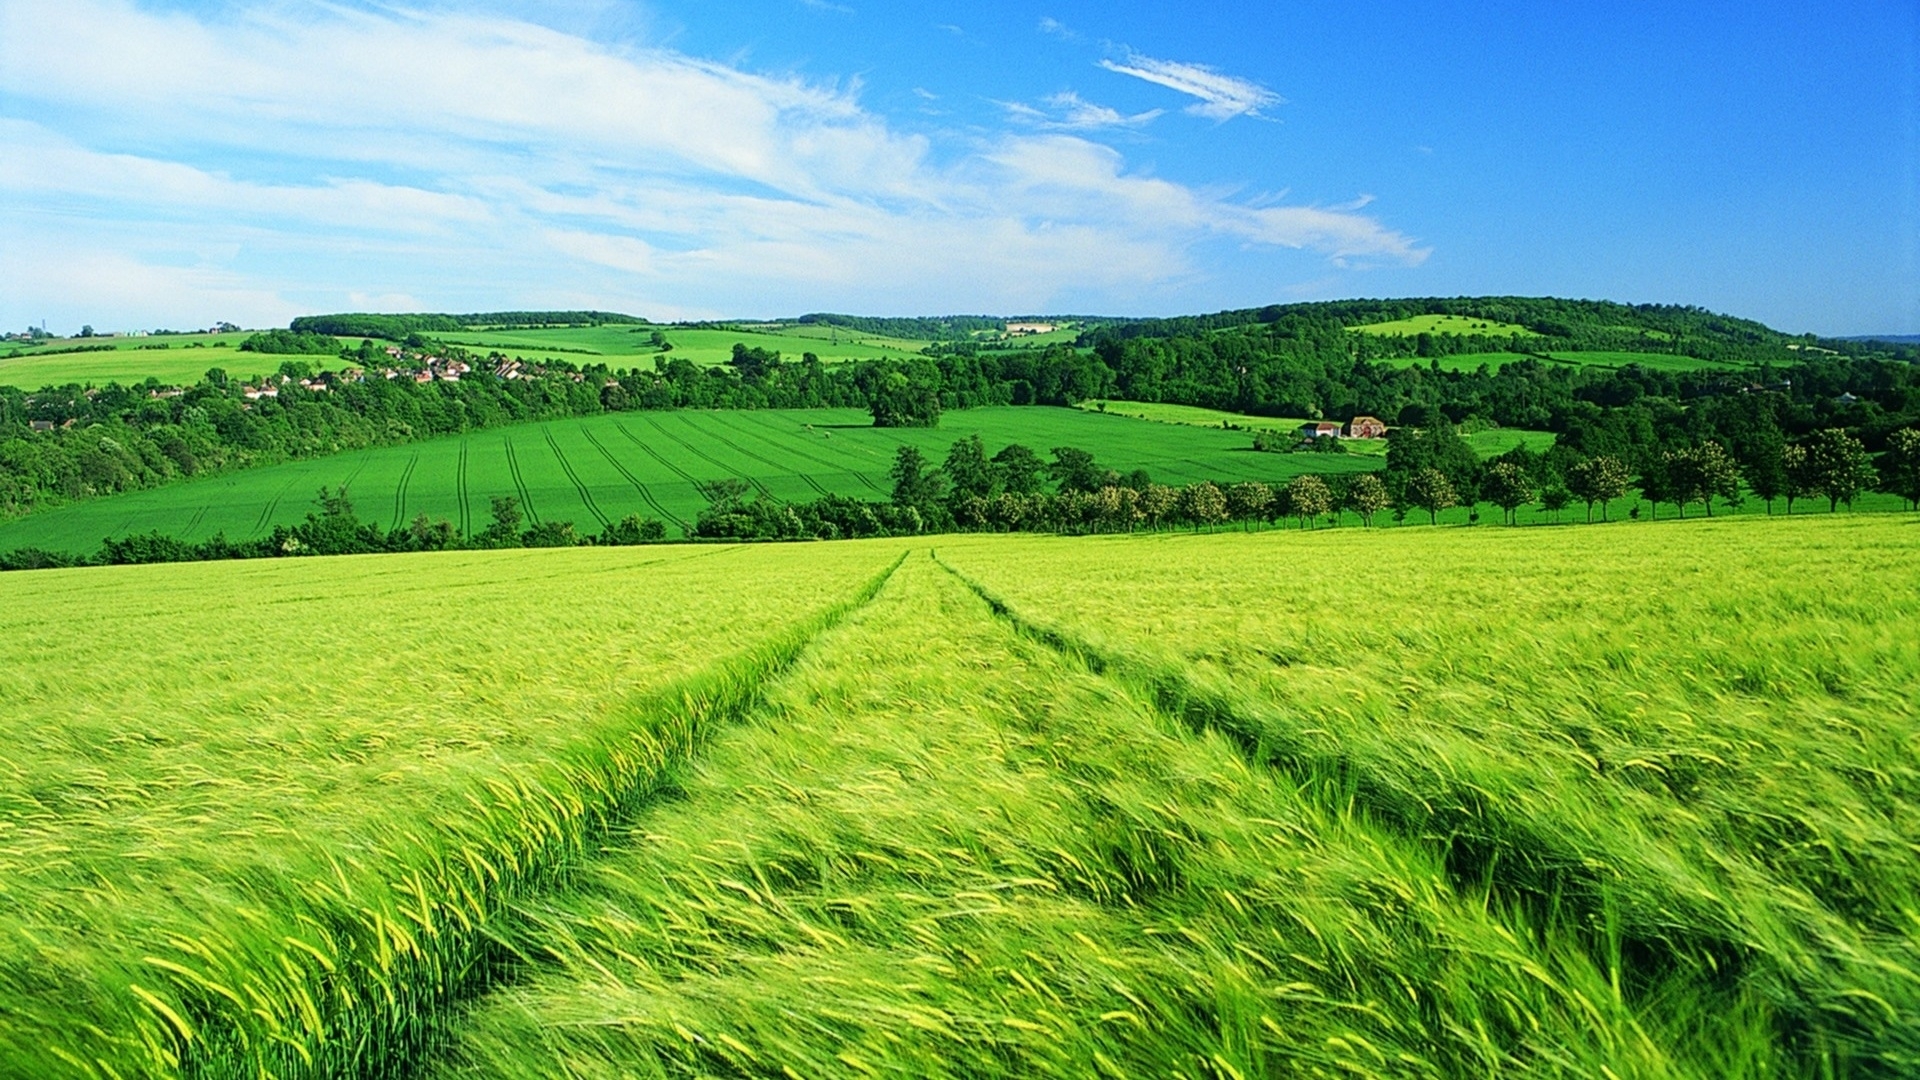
(227, 872)
(519, 482)
(1704, 802)
(942, 850)
(400, 492)
(646, 496)
(586, 497)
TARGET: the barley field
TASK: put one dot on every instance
(1614, 801)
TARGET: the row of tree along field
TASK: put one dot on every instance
(1016, 490)
(61, 444)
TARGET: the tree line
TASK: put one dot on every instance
(60, 444)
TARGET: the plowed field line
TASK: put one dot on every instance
(836, 466)
(659, 457)
(519, 484)
(460, 487)
(400, 491)
(777, 466)
(567, 467)
(645, 495)
(709, 458)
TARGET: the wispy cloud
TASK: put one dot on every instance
(185, 168)
(1055, 28)
(1222, 97)
(1068, 111)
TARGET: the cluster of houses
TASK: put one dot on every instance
(1360, 427)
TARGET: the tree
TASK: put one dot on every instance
(1763, 465)
(1799, 480)
(1158, 503)
(1508, 487)
(1430, 490)
(1308, 497)
(1204, 504)
(1074, 470)
(969, 471)
(1900, 466)
(1367, 496)
(907, 398)
(1022, 471)
(1839, 466)
(1599, 479)
(1249, 501)
(915, 483)
(504, 530)
(1555, 499)
(1701, 474)
(1656, 482)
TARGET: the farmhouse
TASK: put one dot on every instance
(1366, 427)
(1320, 429)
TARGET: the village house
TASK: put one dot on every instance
(1320, 429)
(1366, 427)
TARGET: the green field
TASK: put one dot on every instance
(589, 471)
(1650, 361)
(172, 359)
(1191, 415)
(1442, 324)
(630, 346)
(1621, 801)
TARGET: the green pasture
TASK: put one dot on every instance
(590, 471)
(173, 359)
(1442, 324)
(631, 346)
(1650, 361)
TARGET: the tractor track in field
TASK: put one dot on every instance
(645, 495)
(519, 483)
(460, 487)
(400, 491)
(708, 458)
(195, 522)
(1336, 780)
(266, 512)
(810, 456)
(775, 465)
(567, 467)
(701, 706)
(659, 457)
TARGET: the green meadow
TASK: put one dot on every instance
(598, 469)
(1623, 801)
(174, 359)
(1442, 324)
(632, 346)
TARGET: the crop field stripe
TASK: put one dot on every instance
(711, 430)
(785, 446)
(400, 491)
(567, 467)
(704, 456)
(1561, 891)
(619, 467)
(519, 484)
(658, 456)
(460, 488)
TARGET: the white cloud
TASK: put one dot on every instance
(313, 156)
(1068, 111)
(1222, 97)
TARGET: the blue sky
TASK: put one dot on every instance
(176, 163)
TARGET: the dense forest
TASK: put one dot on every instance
(59, 444)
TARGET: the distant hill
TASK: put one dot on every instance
(1891, 339)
